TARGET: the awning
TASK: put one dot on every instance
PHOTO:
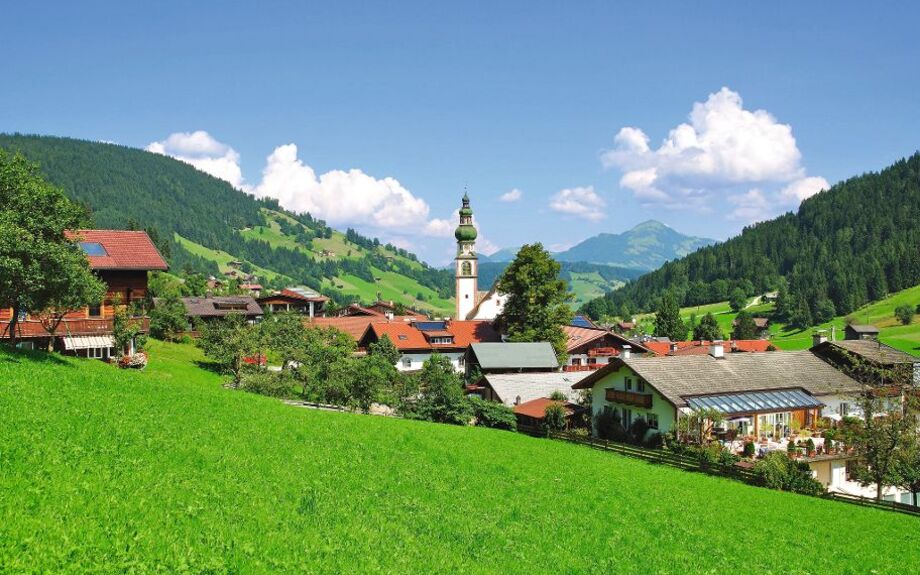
(72, 342)
(756, 401)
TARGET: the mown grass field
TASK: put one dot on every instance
(165, 471)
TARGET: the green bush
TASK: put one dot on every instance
(637, 430)
(554, 418)
(654, 440)
(777, 471)
(492, 414)
(749, 449)
(608, 425)
(268, 383)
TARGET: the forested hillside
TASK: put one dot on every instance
(585, 280)
(194, 217)
(845, 247)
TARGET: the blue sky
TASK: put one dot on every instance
(394, 109)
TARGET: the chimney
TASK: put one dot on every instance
(717, 350)
(389, 315)
(672, 348)
(818, 337)
(626, 352)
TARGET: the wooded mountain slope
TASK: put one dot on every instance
(126, 187)
(844, 247)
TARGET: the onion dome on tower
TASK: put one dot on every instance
(465, 232)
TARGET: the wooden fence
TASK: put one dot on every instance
(687, 463)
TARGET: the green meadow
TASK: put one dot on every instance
(167, 471)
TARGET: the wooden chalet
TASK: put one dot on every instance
(297, 299)
(119, 258)
(591, 348)
(417, 340)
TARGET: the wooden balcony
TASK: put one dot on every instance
(588, 367)
(81, 326)
(629, 398)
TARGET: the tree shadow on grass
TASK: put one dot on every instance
(34, 356)
(209, 366)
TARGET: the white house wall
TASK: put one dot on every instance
(617, 380)
(417, 359)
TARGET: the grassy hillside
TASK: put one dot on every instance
(880, 314)
(107, 471)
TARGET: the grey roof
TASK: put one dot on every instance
(875, 351)
(754, 401)
(212, 306)
(681, 376)
(528, 386)
(518, 355)
(863, 328)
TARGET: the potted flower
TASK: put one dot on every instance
(810, 447)
(829, 446)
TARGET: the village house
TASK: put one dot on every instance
(854, 331)
(702, 347)
(530, 415)
(591, 348)
(121, 259)
(516, 388)
(511, 357)
(759, 394)
(302, 300)
(252, 289)
(890, 367)
(418, 340)
(209, 308)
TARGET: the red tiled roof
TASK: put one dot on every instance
(125, 250)
(536, 408)
(702, 347)
(354, 325)
(299, 296)
(578, 336)
(406, 336)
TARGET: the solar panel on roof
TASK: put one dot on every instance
(93, 249)
(581, 321)
(431, 325)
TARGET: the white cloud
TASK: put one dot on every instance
(582, 202)
(511, 196)
(204, 152)
(803, 189)
(722, 152)
(340, 197)
(751, 206)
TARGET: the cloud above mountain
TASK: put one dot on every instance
(341, 197)
(724, 153)
(512, 195)
(582, 202)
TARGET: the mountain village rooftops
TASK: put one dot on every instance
(407, 336)
(862, 329)
(119, 250)
(872, 350)
(703, 347)
(678, 378)
(579, 336)
(218, 306)
(514, 355)
(512, 388)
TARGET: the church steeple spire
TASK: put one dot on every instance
(467, 264)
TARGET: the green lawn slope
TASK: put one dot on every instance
(166, 471)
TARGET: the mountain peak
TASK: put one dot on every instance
(648, 226)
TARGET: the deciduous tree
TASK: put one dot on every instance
(708, 329)
(667, 319)
(536, 308)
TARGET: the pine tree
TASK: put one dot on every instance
(667, 319)
(708, 329)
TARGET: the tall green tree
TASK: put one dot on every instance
(907, 464)
(904, 313)
(708, 329)
(537, 305)
(442, 398)
(745, 328)
(40, 268)
(167, 318)
(286, 335)
(737, 300)
(877, 441)
(385, 348)
(667, 319)
(322, 360)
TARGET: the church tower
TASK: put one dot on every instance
(467, 264)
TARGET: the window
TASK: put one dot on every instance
(576, 361)
(96, 352)
(95, 310)
(627, 417)
(461, 361)
(652, 419)
(93, 249)
(843, 409)
(628, 383)
(407, 362)
(466, 269)
(640, 385)
(403, 337)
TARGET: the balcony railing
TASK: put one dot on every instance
(81, 326)
(602, 352)
(629, 398)
(588, 367)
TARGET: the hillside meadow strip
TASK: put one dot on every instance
(167, 471)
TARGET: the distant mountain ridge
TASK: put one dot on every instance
(646, 246)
